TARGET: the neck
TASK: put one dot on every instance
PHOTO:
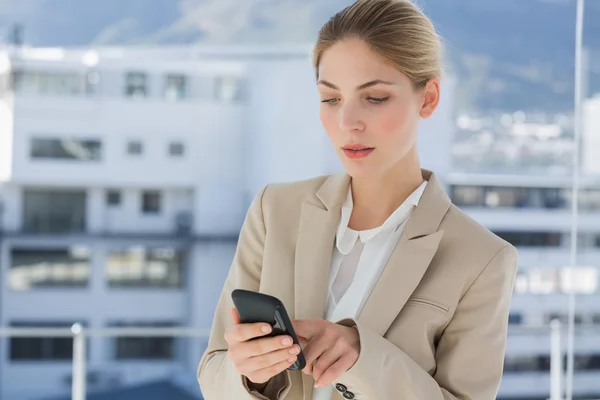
(376, 198)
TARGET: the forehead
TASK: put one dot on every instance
(352, 62)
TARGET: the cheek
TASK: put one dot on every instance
(396, 122)
(330, 122)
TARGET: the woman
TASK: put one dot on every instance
(395, 293)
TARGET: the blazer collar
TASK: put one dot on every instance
(426, 218)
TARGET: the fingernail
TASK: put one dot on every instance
(294, 350)
(286, 341)
(265, 328)
(292, 359)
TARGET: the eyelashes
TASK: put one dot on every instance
(374, 100)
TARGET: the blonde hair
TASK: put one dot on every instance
(395, 29)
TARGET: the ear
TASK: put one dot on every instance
(430, 97)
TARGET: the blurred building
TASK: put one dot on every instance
(591, 136)
(125, 175)
(534, 213)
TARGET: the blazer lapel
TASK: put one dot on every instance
(409, 260)
(319, 220)
(314, 247)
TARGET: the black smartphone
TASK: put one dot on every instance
(259, 307)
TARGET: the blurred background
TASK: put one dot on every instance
(134, 134)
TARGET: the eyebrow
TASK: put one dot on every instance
(359, 87)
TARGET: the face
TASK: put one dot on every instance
(369, 109)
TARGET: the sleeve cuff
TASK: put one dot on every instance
(353, 378)
(276, 388)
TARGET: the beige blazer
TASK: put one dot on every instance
(434, 326)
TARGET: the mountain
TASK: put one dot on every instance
(508, 54)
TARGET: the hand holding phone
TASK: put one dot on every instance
(262, 343)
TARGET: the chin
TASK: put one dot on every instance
(359, 171)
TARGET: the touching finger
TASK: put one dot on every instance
(324, 362)
(312, 351)
(334, 371)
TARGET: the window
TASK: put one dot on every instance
(54, 211)
(228, 89)
(589, 199)
(46, 83)
(151, 202)
(176, 149)
(34, 268)
(136, 84)
(175, 87)
(531, 239)
(527, 363)
(541, 363)
(467, 195)
(539, 281)
(113, 198)
(515, 319)
(145, 348)
(509, 197)
(42, 348)
(66, 149)
(135, 147)
(143, 267)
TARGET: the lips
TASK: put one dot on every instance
(356, 147)
(355, 151)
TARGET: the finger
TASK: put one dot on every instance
(265, 361)
(324, 362)
(307, 328)
(334, 371)
(312, 351)
(258, 347)
(235, 316)
(263, 375)
(244, 332)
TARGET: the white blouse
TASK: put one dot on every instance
(358, 260)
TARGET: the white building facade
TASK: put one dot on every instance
(125, 175)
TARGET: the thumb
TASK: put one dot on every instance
(235, 316)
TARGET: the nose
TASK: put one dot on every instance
(350, 118)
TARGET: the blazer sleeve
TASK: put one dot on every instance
(216, 373)
(469, 356)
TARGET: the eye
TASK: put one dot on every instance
(330, 101)
(378, 100)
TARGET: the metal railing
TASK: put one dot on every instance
(80, 334)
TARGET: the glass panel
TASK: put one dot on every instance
(151, 202)
(43, 348)
(136, 84)
(52, 83)
(66, 149)
(531, 239)
(175, 87)
(176, 149)
(42, 268)
(141, 267)
(54, 211)
(145, 348)
(135, 147)
(228, 89)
